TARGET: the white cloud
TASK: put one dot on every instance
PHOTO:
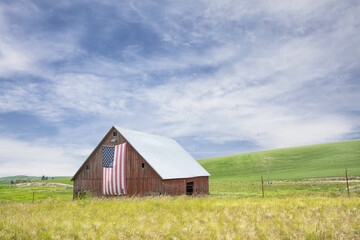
(12, 60)
(279, 73)
(23, 51)
(266, 97)
(23, 158)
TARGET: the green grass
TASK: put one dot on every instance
(25, 194)
(314, 161)
(11, 192)
(235, 209)
(285, 189)
(183, 218)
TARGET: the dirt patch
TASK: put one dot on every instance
(331, 179)
(328, 179)
(47, 184)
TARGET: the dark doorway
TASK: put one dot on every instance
(189, 188)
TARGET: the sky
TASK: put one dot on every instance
(220, 77)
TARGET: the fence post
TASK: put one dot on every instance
(262, 185)
(267, 167)
(33, 196)
(347, 183)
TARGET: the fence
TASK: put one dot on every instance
(32, 194)
(315, 187)
(326, 187)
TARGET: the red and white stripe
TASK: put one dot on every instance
(114, 179)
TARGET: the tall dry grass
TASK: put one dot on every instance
(183, 218)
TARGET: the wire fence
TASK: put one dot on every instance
(31, 194)
(331, 187)
(314, 187)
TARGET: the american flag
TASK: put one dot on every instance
(114, 166)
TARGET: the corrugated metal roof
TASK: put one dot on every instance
(164, 155)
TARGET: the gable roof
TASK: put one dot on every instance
(164, 155)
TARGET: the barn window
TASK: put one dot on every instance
(142, 165)
(87, 167)
(114, 137)
(189, 188)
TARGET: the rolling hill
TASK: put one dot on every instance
(313, 161)
(7, 180)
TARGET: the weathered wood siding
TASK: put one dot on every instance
(178, 186)
(139, 181)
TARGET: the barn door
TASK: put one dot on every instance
(189, 188)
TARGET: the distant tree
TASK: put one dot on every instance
(12, 182)
(43, 177)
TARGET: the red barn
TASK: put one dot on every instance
(154, 165)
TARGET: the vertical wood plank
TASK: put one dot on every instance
(138, 181)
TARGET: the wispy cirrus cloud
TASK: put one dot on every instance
(231, 76)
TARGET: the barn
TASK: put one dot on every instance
(150, 165)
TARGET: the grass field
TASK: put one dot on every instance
(314, 161)
(283, 189)
(183, 218)
(235, 209)
(25, 194)
(286, 189)
(13, 192)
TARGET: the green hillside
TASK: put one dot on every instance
(7, 180)
(322, 160)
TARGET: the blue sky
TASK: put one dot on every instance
(220, 77)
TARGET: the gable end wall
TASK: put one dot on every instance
(139, 181)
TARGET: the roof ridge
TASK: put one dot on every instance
(127, 129)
